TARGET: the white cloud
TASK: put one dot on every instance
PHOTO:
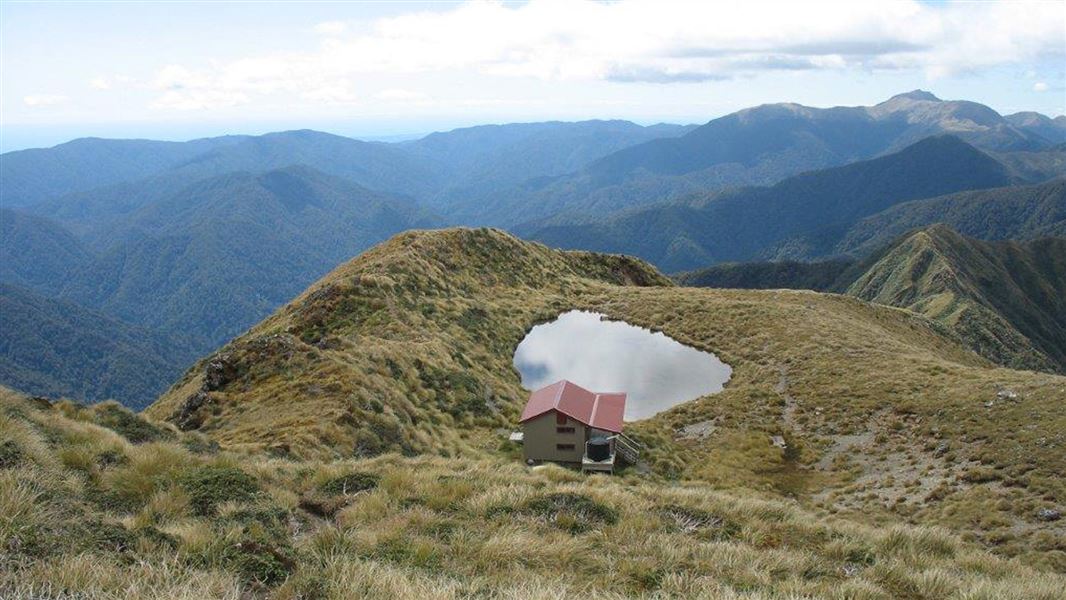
(339, 93)
(398, 95)
(1040, 86)
(200, 100)
(43, 100)
(331, 28)
(108, 82)
(642, 41)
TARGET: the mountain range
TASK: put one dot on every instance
(1006, 299)
(803, 217)
(209, 259)
(758, 146)
(867, 443)
(194, 242)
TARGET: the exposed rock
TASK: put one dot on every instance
(942, 449)
(1048, 514)
(697, 431)
(220, 371)
(1006, 395)
(191, 414)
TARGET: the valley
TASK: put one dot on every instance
(284, 366)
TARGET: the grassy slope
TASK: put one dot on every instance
(97, 502)
(1005, 299)
(404, 348)
(409, 347)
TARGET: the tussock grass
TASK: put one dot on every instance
(437, 527)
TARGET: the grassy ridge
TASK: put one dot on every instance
(408, 349)
(98, 502)
(1005, 299)
(1002, 299)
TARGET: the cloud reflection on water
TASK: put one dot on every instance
(657, 372)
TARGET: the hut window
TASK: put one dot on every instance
(564, 430)
(560, 418)
(564, 446)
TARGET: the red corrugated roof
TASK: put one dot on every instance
(602, 411)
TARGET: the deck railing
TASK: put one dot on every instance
(627, 447)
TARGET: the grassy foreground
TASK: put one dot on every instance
(100, 503)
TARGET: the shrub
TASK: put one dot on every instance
(980, 475)
(572, 512)
(211, 485)
(107, 536)
(334, 494)
(10, 454)
(111, 458)
(258, 561)
(350, 484)
(133, 427)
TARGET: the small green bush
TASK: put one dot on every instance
(157, 537)
(258, 561)
(111, 458)
(10, 454)
(129, 425)
(108, 536)
(573, 512)
(349, 484)
(211, 485)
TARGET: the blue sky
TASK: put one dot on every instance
(178, 70)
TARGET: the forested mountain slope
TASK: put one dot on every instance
(32, 176)
(58, 348)
(38, 253)
(819, 276)
(213, 258)
(803, 216)
(1016, 212)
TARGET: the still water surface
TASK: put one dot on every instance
(657, 372)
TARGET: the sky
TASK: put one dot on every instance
(180, 70)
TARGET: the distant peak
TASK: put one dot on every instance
(916, 95)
